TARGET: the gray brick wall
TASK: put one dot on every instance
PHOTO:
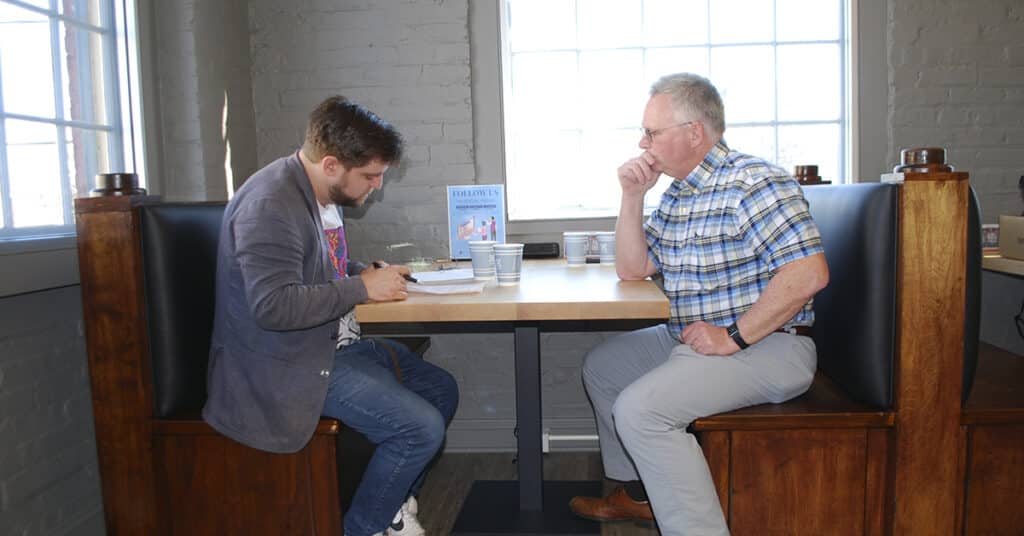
(204, 92)
(407, 61)
(49, 482)
(957, 81)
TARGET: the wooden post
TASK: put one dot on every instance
(930, 316)
(118, 348)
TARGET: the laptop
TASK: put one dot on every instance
(1011, 237)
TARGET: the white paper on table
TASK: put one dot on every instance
(445, 277)
(474, 287)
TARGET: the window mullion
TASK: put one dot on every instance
(58, 98)
(115, 156)
(60, 122)
(843, 95)
(775, 68)
(5, 198)
(707, 45)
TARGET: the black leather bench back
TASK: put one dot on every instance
(855, 316)
(972, 322)
(179, 250)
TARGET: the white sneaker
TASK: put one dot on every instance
(411, 506)
(405, 522)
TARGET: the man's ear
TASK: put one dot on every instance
(697, 134)
(331, 165)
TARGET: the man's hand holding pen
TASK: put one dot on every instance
(385, 282)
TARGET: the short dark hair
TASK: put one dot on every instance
(351, 133)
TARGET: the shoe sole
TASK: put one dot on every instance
(638, 521)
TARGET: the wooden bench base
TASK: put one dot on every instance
(209, 484)
(814, 465)
(992, 446)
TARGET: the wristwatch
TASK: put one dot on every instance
(734, 331)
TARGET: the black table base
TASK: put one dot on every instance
(492, 507)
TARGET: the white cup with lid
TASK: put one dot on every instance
(575, 247)
(481, 252)
(508, 263)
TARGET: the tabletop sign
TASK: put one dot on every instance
(474, 213)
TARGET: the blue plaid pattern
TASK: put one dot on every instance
(720, 233)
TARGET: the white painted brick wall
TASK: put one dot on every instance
(957, 76)
(202, 56)
(179, 103)
(49, 482)
(408, 61)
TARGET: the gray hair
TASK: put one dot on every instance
(694, 96)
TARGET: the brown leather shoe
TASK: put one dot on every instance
(617, 506)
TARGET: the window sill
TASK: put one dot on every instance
(551, 230)
(37, 264)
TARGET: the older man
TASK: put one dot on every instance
(741, 260)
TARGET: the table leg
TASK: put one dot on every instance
(530, 506)
(528, 418)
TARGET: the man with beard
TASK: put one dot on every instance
(278, 357)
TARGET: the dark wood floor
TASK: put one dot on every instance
(449, 481)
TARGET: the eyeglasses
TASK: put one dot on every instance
(649, 134)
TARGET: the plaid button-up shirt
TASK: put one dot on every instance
(720, 233)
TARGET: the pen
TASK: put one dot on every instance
(409, 278)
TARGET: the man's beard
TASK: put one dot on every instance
(340, 198)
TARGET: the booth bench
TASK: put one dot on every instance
(148, 274)
(883, 443)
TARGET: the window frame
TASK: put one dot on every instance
(46, 257)
(867, 105)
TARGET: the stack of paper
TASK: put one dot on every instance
(446, 282)
(444, 277)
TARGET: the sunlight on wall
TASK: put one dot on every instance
(229, 177)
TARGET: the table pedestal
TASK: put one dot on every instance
(492, 508)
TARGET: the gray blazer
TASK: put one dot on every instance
(278, 302)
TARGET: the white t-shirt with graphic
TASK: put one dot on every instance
(334, 232)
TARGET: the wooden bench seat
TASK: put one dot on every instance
(824, 405)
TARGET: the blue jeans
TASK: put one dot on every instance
(406, 421)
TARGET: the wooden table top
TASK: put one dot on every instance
(548, 290)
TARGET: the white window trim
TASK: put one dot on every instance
(36, 263)
(868, 114)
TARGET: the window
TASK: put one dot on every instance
(577, 75)
(65, 111)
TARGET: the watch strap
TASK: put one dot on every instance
(734, 333)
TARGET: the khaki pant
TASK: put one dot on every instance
(646, 388)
